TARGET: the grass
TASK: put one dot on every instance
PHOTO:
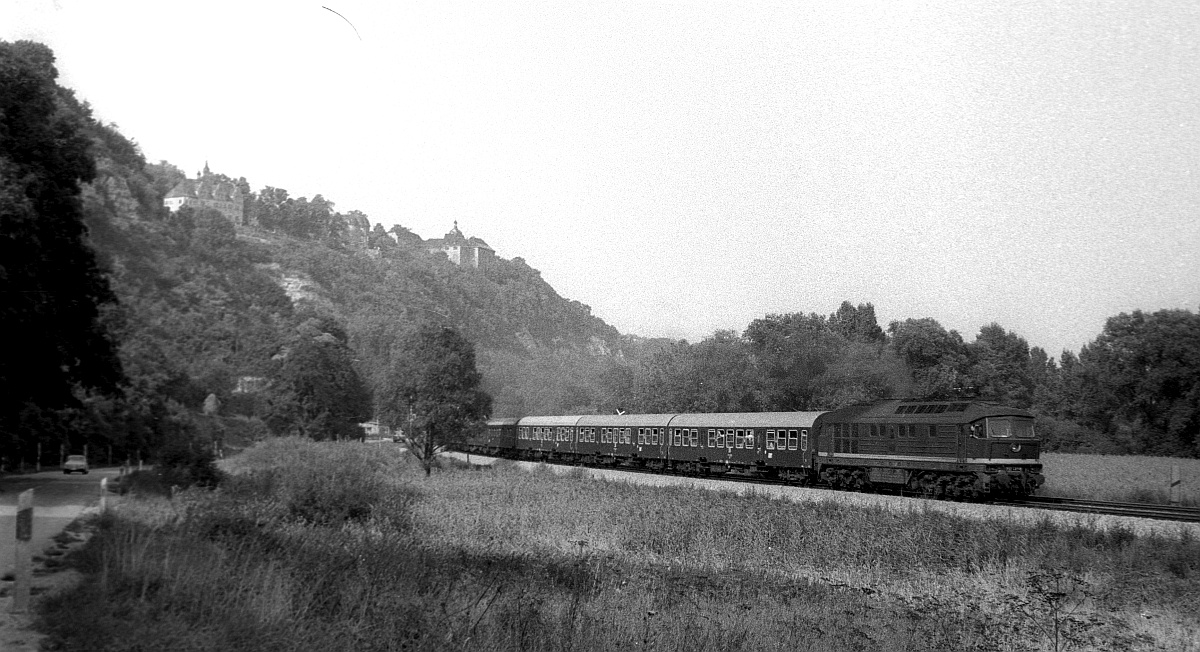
(347, 547)
(1124, 478)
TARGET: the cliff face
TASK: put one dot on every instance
(357, 231)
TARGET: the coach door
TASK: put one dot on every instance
(806, 447)
(961, 448)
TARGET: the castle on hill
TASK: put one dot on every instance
(207, 191)
(213, 191)
(461, 250)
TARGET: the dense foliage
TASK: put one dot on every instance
(432, 391)
(53, 296)
(302, 314)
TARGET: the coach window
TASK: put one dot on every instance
(628, 436)
(792, 440)
(641, 436)
(750, 442)
(804, 439)
(720, 438)
(770, 440)
(712, 438)
(740, 439)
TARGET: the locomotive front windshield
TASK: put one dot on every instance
(1009, 428)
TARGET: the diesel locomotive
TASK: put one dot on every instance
(963, 449)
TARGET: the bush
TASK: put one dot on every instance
(188, 463)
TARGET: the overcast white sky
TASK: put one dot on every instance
(688, 166)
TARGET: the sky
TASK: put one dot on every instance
(688, 166)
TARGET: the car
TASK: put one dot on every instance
(75, 463)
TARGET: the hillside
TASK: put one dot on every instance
(208, 303)
(212, 300)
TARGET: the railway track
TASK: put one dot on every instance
(1100, 507)
(1139, 510)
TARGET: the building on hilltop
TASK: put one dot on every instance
(207, 191)
(461, 250)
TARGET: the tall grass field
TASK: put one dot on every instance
(333, 547)
(1122, 478)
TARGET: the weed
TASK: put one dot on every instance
(344, 547)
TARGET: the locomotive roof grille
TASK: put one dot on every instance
(935, 408)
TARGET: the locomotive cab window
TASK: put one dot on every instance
(1009, 428)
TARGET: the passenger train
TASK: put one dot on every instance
(963, 449)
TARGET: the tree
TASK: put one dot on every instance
(1001, 366)
(432, 391)
(937, 357)
(317, 393)
(857, 324)
(53, 295)
(1140, 380)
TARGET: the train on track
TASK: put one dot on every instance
(964, 449)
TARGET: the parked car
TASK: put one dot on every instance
(75, 463)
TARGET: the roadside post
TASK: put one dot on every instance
(1175, 484)
(103, 495)
(20, 600)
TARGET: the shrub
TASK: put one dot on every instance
(188, 463)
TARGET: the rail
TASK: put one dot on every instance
(1139, 510)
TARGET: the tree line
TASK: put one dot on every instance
(201, 315)
(1134, 389)
(136, 324)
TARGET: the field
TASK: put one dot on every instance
(348, 547)
(1126, 478)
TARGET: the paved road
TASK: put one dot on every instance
(57, 500)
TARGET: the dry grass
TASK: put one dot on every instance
(512, 560)
(1128, 478)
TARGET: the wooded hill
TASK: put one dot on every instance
(205, 307)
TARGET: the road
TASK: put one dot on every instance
(57, 500)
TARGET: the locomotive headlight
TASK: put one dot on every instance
(1016, 448)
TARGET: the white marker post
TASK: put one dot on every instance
(1175, 484)
(20, 601)
(103, 495)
